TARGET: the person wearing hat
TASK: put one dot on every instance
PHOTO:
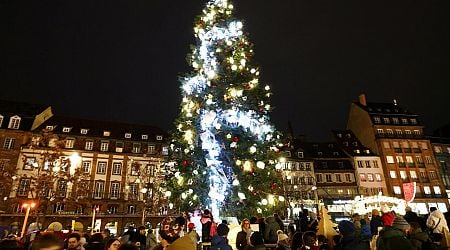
(375, 222)
(348, 240)
(220, 241)
(283, 241)
(394, 236)
(192, 233)
(169, 232)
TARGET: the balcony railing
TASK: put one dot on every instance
(421, 165)
(401, 164)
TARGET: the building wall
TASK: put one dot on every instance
(370, 175)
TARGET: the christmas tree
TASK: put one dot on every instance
(223, 153)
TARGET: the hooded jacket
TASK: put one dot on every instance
(436, 221)
(391, 238)
(220, 242)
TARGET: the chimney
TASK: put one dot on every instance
(362, 99)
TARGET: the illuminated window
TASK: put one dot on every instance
(413, 174)
(89, 145)
(370, 177)
(14, 122)
(397, 190)
(437, 189)
(362, 177)
(390, 159)
(70, 142)
(393, 174)
(426, 190)
(127, 135)
(378, 177)
(386, 144)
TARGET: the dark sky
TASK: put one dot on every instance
(120, 60)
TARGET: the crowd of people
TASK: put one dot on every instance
(376, 230)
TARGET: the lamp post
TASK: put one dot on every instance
(93, 218)
(28, 206)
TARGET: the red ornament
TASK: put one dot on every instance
(247, 86)
(185, 163)
(236, 139)
(274, 186)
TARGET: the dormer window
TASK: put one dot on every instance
(377, 119)
(346, 143)
(1, 120)
(159, 137)
(106, 133)
(357, 151)
(336, 153)
(367, 151)
(386, 120)
(355, 143)
(319, 153)
(288, 153)
(66, 129)
(339, 135)
(405, 121)
(49, 128)
(128, 135)
(395, 120)
(144, 137)
(14, 122)
(300, 154)
(84, 131)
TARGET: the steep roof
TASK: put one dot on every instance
(351, 144)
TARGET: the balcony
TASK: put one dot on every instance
(416, 150)
(421, 165)
(407, 150)
(402, 165)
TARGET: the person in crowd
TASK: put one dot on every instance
(375, 222)
(129, 236)
(47, 241)
(262, 224)
(279, 221)
(73, 242)
(220, 241)
(349, 241)
(141, 238)
(417, 237)
(291, 231)
(106, 235)
(256, 241)
(128, 246)
(169, 236)
(323, 242)
(209, 227)
(192, 233)
(243, 237)
(96, 242)
(366, 233)
(393, 235)
(151, 241)
(272, 226)
(296, 240)
(410, 216)
(112, 244)
(9, 244)
(253, 220)
(283, 241)
(309, 241)
(437, 223)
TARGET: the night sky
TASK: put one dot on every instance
(120, 61)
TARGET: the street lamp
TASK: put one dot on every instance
(28, 206)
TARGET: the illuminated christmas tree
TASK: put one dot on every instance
(223, 152)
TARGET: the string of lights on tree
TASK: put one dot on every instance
(224, 149)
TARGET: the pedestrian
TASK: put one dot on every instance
(47, 241)
(393, 235)
(73, 242)
(256, 241)
(208, 226)
(349, 240)
(375, 222)
(272, 226)
(437, 224)
(112, 244)
(283, 241)
(141, 239)
(309, 241)
(192, 233)
(323, 242)
(96, 242)
(243, 236)
(220, 241)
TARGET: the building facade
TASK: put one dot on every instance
(396, 135)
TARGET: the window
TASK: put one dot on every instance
(159, 137)
(405, 144)
(113, 209)
(426, 190)
(390, 159)
(348, 178)
(119, 147)
(70, 142)
(49, 128)
(115, 189)
(14, 122)
(133, 190)
(380, 131)
(432, 175)
(377, 119)
(338, 178)
(362, 177)
(437, 189)
(3, 164)
(424, 145)
(398, 132)
(399, 158)
(378, 177)
(403, 174)
(84, 131)
(319, 177)
(417, 132)
(423, 175)
(404, 121)
(300, 154)
(375, 164)
(414, 144)
(128, 135)
(9, 143)
(360, 164)
(413, 121)
(367, 164)
(117, 168)
(386, 144)
(370, 177)
(136, 148)
(409, 159)
(395, 120)
(144, 137)
(328, 178)
(287, 153)
(393, 174)
(413, 174)
(131, 209)
(390, 132)
(104, 146)
(24, 186)
(386, 120)
(396, 144)
(1, 120)
(89, 145)
(66, 129)
(151, 149)
(428, 159)
(86, 167)
(106, 133)
(397, 190)
(99, 188)
(419, 159)
(62, 188)
(437, 149)
(101, 167)
(165, 151)
(58, 207)
(408, 132)
(30, 163)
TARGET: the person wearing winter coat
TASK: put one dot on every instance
(220, 241)
(283, 241)
(436, 222)
(243, 237)
(349, 241)
(375, 222)
(393, 237)
(417, 236)
(256, 241)
(272, 226)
